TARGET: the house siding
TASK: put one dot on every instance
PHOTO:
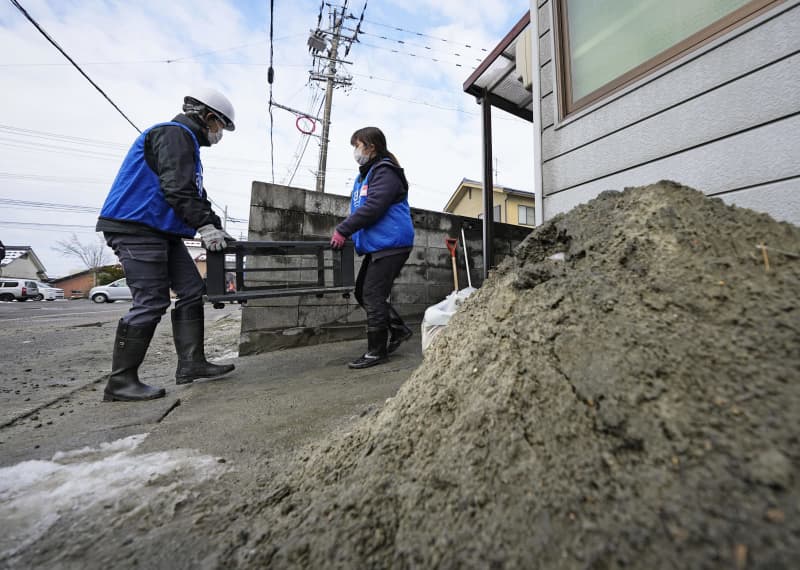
(724, 119)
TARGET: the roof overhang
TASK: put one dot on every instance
(495, 78)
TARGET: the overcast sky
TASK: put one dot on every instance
(63, 142)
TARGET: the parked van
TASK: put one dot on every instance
(17, 289)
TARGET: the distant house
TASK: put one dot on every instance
(510, 206)
(77, 285)
(21, 261)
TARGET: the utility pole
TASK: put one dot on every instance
(317, 42)
(326, 117)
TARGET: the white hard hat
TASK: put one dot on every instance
(215, 101)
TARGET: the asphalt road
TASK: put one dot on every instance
(211, 447)
(51, 348)
(78, 311)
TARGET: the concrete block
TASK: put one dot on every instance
(442, 275)
(501, 247)
(277, 197)
(327, 204)
(317, 316)
(327, 300)
(412, 274)
(437, 256)
(260, 342)
(436, 238)
(409, 294)
(417, 256)
(272, 302)
(263, 220)
(320, 226)
(420, 239)
(266, 318)
(421, 219)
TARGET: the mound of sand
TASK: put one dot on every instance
(635, 405)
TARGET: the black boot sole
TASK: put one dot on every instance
(114, 398)
(367, 363)
(191, 378)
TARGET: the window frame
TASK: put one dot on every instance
(532, 215)
(567, 107)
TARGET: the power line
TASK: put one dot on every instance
(426, 104)
(64, 53)
(300, 158)
(424, 35)
(181, 59)
(407, 43)
(49, 206)
(418, 56)
(389, 96)
(42, 178)
(40, 225)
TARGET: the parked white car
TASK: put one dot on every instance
(17, 289)
(48, 292)
(116, 291)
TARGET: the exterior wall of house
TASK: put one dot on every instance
(724, 119)
(282, 213)
(510, 204)
(471, 204)
(75, 286)
(22, 267)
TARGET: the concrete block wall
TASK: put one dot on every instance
(283, 213)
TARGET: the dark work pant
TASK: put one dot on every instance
(373, 285)
(153, 266)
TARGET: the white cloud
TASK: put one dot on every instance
(437, 146)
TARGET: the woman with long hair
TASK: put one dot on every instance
(380, 226)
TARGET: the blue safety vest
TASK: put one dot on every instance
(136, 195)
(393, 230)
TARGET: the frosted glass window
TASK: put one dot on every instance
(605, 39)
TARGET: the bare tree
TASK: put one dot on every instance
(93, 255)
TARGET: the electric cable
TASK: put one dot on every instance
(423, 35)
(411, 54)
(300, 159)
(407, 43)
(65, 54)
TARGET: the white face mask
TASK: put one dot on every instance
(360, 157)
(214, 137)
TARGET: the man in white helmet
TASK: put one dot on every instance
(156, 200)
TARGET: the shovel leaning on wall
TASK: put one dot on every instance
(452, 244)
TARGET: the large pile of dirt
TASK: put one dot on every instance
(634, 405)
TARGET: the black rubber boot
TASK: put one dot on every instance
(376, 350)
(130, 346)
(187, 331)
(399, 332)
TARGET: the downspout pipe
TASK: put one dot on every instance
(488, 186)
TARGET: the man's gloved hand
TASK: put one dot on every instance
(337, 240)
(213, 239)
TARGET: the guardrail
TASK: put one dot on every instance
(263, 269)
